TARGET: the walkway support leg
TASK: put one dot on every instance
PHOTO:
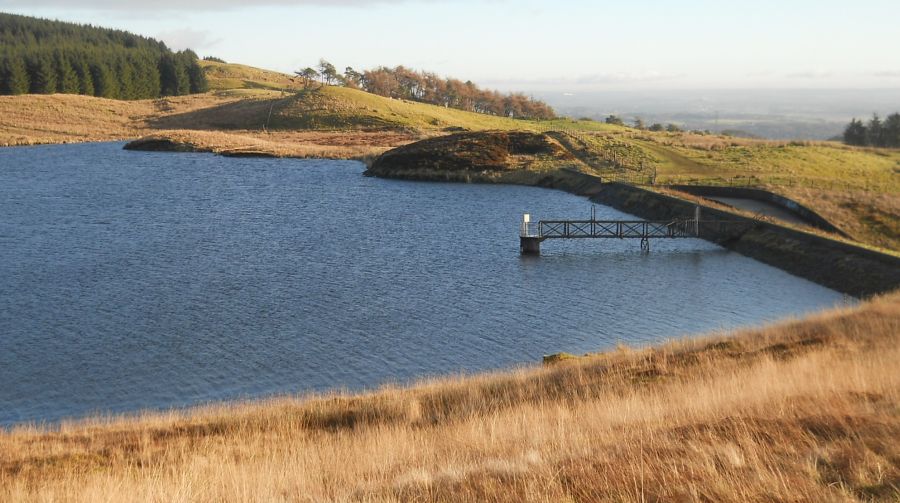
(530, 245)
(645, 245)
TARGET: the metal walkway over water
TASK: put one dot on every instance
(532, 234)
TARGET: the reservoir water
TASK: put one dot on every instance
(133, 280)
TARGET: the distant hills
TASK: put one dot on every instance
(817, 114)
(40, 56)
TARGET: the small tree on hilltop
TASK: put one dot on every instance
(656, 127)
(672, 128)
(308, 74)
(352, 78)
(328, 72)
(615, 119)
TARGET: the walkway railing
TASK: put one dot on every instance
(621, 229)
(531, 235)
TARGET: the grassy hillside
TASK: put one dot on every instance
(807, 410)
(245, 100)
(344, 108)
(60, 118)
(856, 189)
(224, 76)
(341, 108)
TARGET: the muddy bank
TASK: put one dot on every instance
(157, 144)
(461, 155)
(163, 144)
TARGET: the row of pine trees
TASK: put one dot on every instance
(875, 133)
(44, 57)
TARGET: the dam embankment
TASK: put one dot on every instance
(841, 266)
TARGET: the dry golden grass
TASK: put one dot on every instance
(361, 145)
(208, 122)
(801, 411)
(869, 217)
(64, 118)
(234, 76)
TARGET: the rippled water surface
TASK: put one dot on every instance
(131, 280)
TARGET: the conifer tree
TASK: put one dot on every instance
(66, 78)
(103, 79)
(150, 79)
(41, 74)
(45, 56)
(197, 78)
(85, 81)
(892, 130)
(13, 75)
(855, 133)
(874, 132)
(168, 75)
(183, 62)
(125, 77)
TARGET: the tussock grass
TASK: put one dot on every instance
(806, 410)
(362, 146)
(63, 118)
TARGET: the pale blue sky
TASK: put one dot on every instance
(565, 46)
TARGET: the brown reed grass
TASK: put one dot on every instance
(804, 410)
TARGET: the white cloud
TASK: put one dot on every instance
(811, 74)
